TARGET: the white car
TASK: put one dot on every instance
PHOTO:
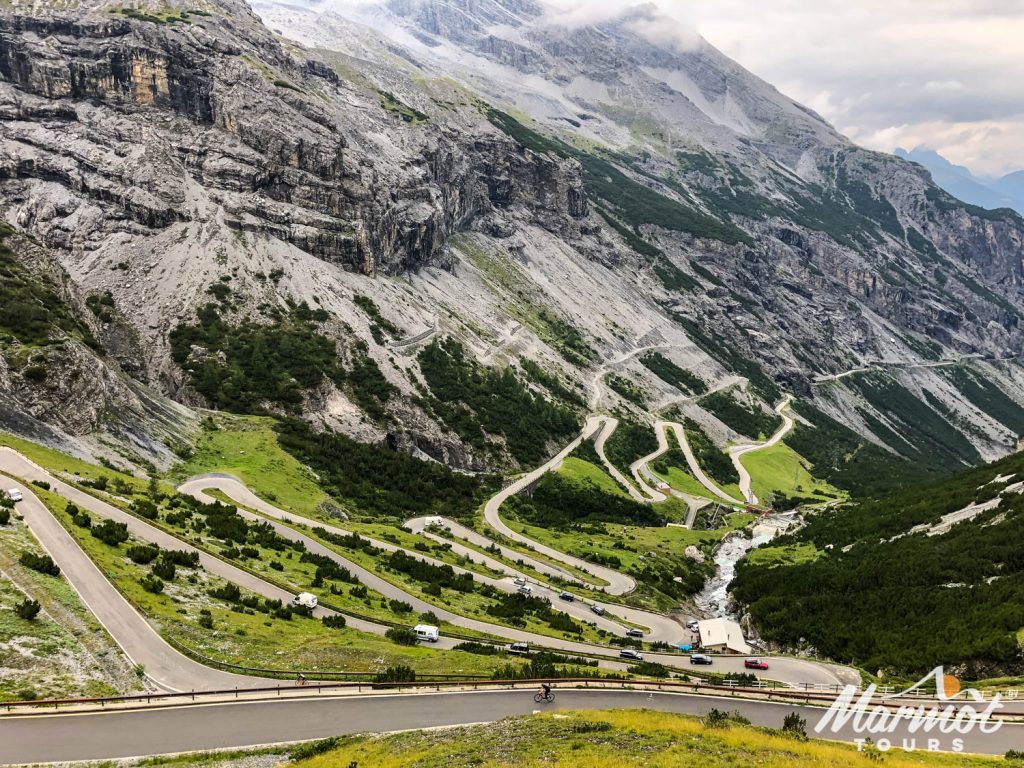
(520, 581)
(14, 495)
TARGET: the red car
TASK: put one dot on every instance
(755, 664)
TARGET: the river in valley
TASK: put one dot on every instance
(713, 600)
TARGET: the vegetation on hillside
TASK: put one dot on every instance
(715, 463)
(559, 503)
(380, 482)
(629, 442)
(615, 739)
(926, 431)
(848, 461)
(475, 401)
(887, 600)
(635, 203)
(680, 378)
(744, 418)
(30, 311)
(248, 366)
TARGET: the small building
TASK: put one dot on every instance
(722, 636)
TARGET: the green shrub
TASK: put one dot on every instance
(143, 554)
(110, 533)
(27, 609)
(401, 636)
(40, 563)
(474, 401)
(163, 569)
(334, 621)
(399, 674)
(152, 584)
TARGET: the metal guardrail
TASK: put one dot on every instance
(667, 686)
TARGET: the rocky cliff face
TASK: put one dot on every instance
(124, 120)
(484, 164)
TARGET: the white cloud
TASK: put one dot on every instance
(946, 73)
(886, 72)
(943, 85)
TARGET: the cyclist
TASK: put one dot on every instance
(545, 690)
(301, 679)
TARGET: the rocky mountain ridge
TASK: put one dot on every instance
(418, 169)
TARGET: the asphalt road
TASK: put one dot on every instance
(167, 668)
(152, 731)
(142, 645)
(739, 451)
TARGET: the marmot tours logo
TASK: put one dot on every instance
(937, 723)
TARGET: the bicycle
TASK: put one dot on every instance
(544, 696)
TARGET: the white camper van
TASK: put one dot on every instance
(14, 495)
(426, 633)
(305, 600)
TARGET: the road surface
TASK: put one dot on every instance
(151, 731)
(737, 452)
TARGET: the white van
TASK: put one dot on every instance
(426, 633)
(305, 600)
(14, 495)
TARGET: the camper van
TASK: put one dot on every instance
(14, 495)
(426, 633)
(305, 600)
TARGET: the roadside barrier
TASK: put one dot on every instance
(43, 706)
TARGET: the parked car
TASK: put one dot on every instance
(567, 596)
(14, 495)
(634, 633)
(427, 633)
(520, 648)
(595, 608)
(629, 653)
(520, 581)
(305, 600)
(700, 658)
(693, 626)
(755, 664)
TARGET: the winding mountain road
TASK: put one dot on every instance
(41, 738)
(737, 452)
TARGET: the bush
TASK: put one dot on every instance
(400, 674)
(143, 554)
(111, 533)
(152, 584)
(82, 520)
(5, 515)
(649, 669)
(795, 725)
(27, 609)
(181, 558)
(206, 621)
(718, 719)
(337, 621)
(145, 508)
(401, 636)
(40, 563)
(397, 606)
(163, 569)
(229, 593)
(314, 748)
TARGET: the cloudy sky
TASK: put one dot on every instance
(948, 74)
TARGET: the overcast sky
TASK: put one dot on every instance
(948, 74)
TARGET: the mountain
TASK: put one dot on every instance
(1011, 185)
(1006, 192)
(438, 226)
